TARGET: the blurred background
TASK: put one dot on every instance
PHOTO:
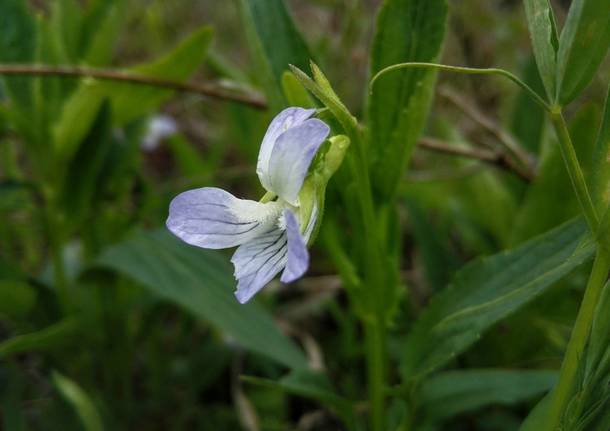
(107, 322)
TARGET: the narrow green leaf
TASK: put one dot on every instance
(311, 385)
(583, 44)
(488, 290)
(11, 393)
(295, 93)
(200, 281)
(188, 160)
(50, 337)
(320, 87)
(601, 161)
(17, 45)
(275, 43)
(454, 392)
(543, 32)
(84, 169)
(528, 118)
(102, 25)
(546, 203)
(407, 30)
(537, 418)
(65, 23)
(80, 401)
(128, 101)
(17, 298)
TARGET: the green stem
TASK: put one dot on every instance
(374, 287)
(574, 171)
(377, 371)
(466, 70)
(578, 339)
(56, 247)
(375, 326)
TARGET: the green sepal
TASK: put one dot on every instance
(327, 162)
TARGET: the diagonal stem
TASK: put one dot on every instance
(578, 340)
(574, 171)
(208, 90)
(466, 70)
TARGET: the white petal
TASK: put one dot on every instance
(213, 218)
(291, 157)
(289, 117)
(258, 261)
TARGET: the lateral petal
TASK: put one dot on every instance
(213, 218)
(288, 118)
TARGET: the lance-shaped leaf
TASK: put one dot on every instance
(488, 290)
(17, 45)
(312, 385)
(128, 101)
(407, 30)
(79, 400)
(200, 281)
(584, 42)
(454, 392)
(274, 42)
(601, 161)
(543, 32)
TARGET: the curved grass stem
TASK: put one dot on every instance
(466, 70)
(574, 171)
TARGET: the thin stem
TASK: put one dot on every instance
(57, 258)
(253, 100)
(578, 339)
(494, 158)
(466, 70)
(574, 171)
(488, 124)
(377, 374)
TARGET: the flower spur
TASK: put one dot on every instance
(271, 235)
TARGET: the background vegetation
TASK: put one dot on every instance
(108, 322)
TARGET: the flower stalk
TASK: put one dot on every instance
(578, 340)
(574, 171)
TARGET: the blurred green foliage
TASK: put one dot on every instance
(108, 322)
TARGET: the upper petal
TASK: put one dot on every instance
(289, 117)
(292, 154)
(213, 218)
(298, 256)
(258, 261)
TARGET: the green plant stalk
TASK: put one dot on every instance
(375, 326)
(375, 333)
(578, 339)
(574, 171)
(56, 248)
(374, 288)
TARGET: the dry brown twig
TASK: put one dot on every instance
(498, 159)
(205, 89)
(523, 160)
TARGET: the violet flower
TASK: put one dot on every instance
(271, 235)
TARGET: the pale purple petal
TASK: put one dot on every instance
(291, 157)
(288, 118)
(258, 261)
(298, 256)
(213, 218)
